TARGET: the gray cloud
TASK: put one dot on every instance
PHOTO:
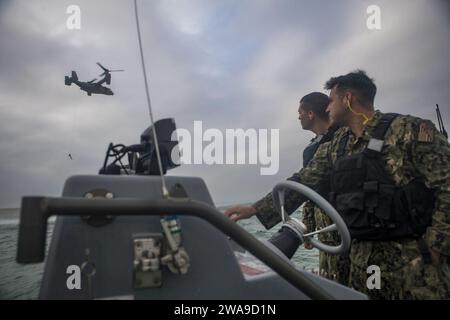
(231, 64)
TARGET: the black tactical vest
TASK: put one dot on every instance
(368, 200)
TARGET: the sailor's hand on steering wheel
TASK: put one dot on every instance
(240, 212)
(308, 245)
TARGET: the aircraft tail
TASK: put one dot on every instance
(69, 80)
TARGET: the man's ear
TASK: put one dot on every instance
(347, 98)
(311, 115)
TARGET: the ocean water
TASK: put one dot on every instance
(23, 281)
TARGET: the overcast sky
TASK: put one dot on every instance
(230, 63)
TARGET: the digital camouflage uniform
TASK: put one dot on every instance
(412, 148)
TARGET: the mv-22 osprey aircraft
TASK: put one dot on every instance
(90, 86)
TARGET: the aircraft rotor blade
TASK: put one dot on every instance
(106, 70)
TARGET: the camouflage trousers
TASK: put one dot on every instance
(335, 267)
(403, 272)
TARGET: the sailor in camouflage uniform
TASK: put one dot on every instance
(389, 178)
(314, 117)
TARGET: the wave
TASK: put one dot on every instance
(9, 222)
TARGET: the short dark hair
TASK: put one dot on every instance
(316, 102)
(358, 82)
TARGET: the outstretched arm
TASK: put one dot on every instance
(318, 169)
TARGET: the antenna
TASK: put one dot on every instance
(165, 193)
(440, 122)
